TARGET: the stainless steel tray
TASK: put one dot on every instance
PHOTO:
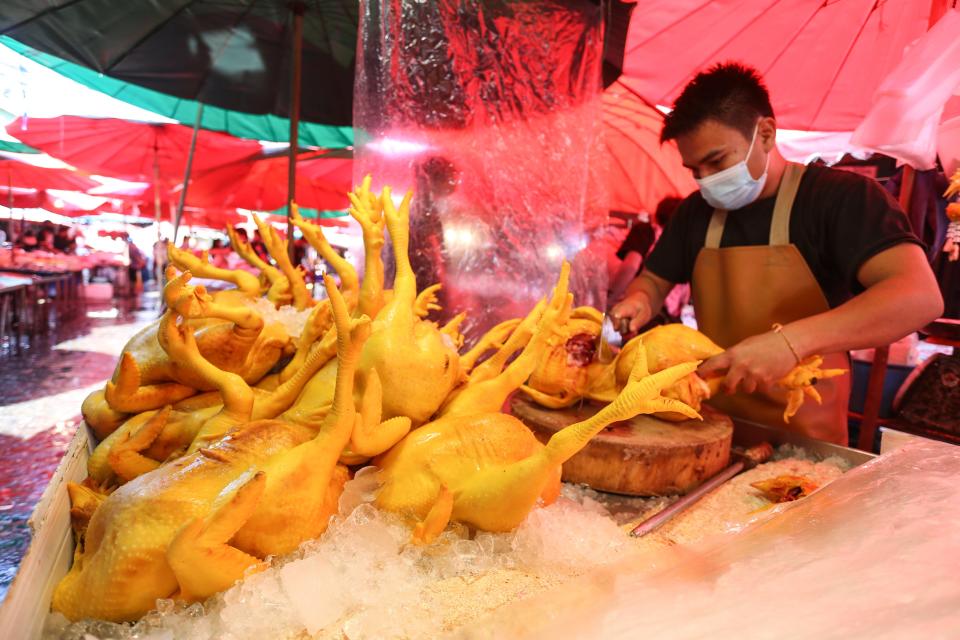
(747, 434)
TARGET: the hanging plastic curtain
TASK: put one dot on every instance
(490, 111)
(910, 103)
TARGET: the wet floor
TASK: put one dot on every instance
(40, 395)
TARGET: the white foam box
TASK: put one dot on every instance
(48, 558)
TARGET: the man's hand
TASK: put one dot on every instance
(755, 363)
(631, 313)
(643, 300)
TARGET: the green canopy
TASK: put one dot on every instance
(312, 213)
(243, 125)
(12, 146)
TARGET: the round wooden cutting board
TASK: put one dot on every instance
(643, 456)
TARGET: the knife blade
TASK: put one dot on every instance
(607, 337)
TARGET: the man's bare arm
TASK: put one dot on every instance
(901, 296)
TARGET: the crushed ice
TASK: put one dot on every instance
(796, 452)
(292, 320)
(364, 577)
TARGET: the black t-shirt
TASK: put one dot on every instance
(839, 221)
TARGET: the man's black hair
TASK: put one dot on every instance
(730, 93)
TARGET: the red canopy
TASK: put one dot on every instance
(822, 61)
(14, 173)
(22, 199)
(40, 199)
(260, 183)
(213, 218)
(128, 150)
(641, 171)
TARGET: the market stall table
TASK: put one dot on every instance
(41, 291)
(13, 292)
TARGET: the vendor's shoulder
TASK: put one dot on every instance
(826, 187)
(693, 207)
(824, 176)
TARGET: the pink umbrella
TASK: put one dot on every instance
(641, 171)
(260, 183)
(822, 61)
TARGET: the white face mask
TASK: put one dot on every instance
(734, 187)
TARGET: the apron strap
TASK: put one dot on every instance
(786, 194)
(779, 222)
(715, 231)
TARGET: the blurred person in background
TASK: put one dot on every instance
(638, 244)
(45, 240)
(159, 259)
(27, 240)
(64, 241)
(218, 254)
(259, 247)
(136, 263)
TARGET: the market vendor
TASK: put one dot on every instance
(784, 261)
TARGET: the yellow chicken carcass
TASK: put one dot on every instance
(278, 249)
(417, 362)
(193, 527)
(151, 437)
(569, 368)
(495, 339)
(411, 363)
(488, 470)
(572, 372)
(246, 286)
(98, 414)
(273, 284)
(488, 385)
(664, 346)
(286, 283)
(349, 281)
(369, 297)
(234, 338)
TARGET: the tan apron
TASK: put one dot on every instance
(740, 292)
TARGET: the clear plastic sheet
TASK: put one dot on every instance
(490, 111)
(875, 554)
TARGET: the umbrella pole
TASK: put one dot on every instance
(14, 232)
(295, 72)
(156, 186)
(186, 174)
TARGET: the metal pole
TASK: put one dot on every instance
(295, 72)
(13, 233)
(156, 185)
(878, 368)
(186, 174)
